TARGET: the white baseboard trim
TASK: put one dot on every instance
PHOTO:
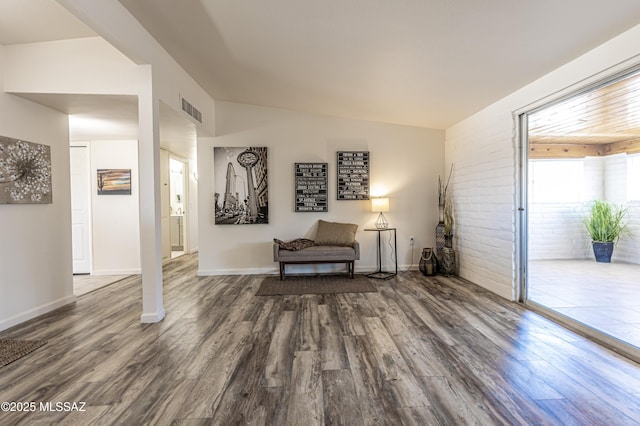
(36, 312)
(117, 272)
(193, 250)
(302, 268)
(248, 271)
(152, 317)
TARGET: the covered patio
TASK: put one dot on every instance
(603, 296)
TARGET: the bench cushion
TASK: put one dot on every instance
(317, 254)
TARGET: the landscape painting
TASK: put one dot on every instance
(114, 181)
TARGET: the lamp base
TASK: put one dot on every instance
(381, 222)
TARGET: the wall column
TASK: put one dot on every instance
(150, 214)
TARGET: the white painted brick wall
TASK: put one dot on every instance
(483, 190)
(556, 230)
(627, 249)
(615, 178)
(482, 149)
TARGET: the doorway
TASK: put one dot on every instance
(177, 200)
(80, 208)
(581, 148)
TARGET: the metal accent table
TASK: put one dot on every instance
(380, 274)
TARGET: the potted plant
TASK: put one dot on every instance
(442, 195)
(606, 223)
(448, 223)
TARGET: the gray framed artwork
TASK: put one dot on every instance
(353, 175)
(311, 187)
(241, 188)
(25, 172)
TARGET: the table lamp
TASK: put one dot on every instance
(380, 205)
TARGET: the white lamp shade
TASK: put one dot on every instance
(379, 205)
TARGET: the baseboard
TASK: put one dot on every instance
(117, 272)
(302, 268)
(36, 312)
(248, 271)
(152, 317)
(193, 250)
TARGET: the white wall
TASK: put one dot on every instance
(628, 248)
(483, 149)
(405, 164)
(35, 242)
(115, 218)
(193, 238)
(86, 65)
(158, 78)
(556, 229)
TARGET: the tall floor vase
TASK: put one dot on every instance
(448, 261)
(439, 239)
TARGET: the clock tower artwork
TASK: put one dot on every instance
(241, 185)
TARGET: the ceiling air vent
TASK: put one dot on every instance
(191, 110)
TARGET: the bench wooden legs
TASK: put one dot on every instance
(350, 268)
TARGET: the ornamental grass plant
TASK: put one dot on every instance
(606, 222)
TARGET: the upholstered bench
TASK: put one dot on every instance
(334, 243)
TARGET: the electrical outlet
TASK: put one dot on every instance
(412, 241)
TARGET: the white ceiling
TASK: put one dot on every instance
(427, 63)
(30, 21)
(91, 117)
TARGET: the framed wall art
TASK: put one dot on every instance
(353, 175)
(311, 187)
(25, 172)
(241, 189)
(114, 181)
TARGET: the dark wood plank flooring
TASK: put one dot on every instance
(422, 350)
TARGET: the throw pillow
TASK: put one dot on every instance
(294, 245)
(336, 234)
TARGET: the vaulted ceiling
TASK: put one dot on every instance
(426, 63)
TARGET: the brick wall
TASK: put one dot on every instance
(483, 192)
(556, 229)
(627, 249)
(483, 150)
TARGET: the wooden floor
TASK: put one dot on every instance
(419, 351)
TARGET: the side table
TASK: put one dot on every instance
(380, 274)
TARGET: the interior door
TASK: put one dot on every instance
(80, 209)
(165, 204)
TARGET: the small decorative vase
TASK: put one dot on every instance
(448, 241)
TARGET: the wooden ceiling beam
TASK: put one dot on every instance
(565, 151)
(559, 150)
(629, 147)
